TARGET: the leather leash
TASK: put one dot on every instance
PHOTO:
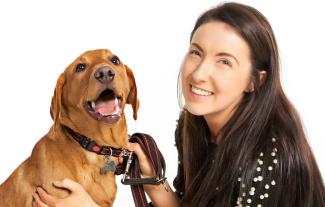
(132, 171)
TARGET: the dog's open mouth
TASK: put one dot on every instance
(107, 107)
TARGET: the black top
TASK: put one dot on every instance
(263, 181)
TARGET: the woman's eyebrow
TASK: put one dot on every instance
(218, 54)
(197, 45)
(227, 54)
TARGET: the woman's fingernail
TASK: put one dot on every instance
(56, 183)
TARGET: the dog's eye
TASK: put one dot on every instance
(115, 60)
(80, 67)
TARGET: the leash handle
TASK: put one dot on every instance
(142, 181)
(126, 180)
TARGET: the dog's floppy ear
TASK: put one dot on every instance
(132, 96)
(57, 97)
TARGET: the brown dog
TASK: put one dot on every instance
(89, 98)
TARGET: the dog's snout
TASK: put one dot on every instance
(105, 74)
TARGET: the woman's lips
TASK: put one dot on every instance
(200, 91)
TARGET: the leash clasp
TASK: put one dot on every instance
(128, 164)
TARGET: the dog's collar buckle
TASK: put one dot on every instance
(125, 153)
(106, 151)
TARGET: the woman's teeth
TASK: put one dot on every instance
(200, 92)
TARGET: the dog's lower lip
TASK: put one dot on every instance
(108, 116)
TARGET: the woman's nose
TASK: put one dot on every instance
(201, 72)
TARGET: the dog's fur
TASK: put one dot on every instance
(57, 155)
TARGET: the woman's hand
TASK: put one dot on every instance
(147, 170)
(157, 193)
(77, 198)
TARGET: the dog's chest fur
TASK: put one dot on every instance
(42, 168)
(84, 168)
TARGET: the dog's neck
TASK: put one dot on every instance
(102, 133)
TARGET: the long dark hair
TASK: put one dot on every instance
(261, 115)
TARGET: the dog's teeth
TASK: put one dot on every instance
(93, 105)
(116, 111)
(116, 107)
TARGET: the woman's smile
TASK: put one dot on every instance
(196, 91)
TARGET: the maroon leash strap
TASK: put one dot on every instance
(132, 171)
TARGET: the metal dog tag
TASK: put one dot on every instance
(109, 167)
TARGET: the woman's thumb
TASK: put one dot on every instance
(67, 184)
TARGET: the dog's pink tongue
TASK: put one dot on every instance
(105, 108)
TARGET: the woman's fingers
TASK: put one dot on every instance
(45, 197)
(135, 147)
(147, 169)
(77, 198)
(68, 184)
(37, 198)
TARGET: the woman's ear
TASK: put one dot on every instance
(250, 87)
(262, 76)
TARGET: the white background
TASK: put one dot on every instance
(38, 39)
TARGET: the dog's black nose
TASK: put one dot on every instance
(105, 74)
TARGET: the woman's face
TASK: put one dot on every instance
(216, 70)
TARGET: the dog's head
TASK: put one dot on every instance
(94, 88)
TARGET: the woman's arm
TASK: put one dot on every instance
(160, 197)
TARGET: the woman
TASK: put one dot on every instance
(240, 141)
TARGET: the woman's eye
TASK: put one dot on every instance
(81, 67)
(115, 60)
(225, 62)
(195, 52)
